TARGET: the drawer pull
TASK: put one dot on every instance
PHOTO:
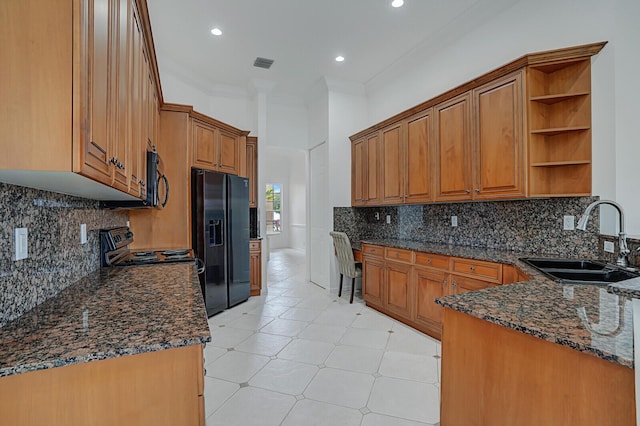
(428, 260)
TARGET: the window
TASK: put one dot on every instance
(274, 204)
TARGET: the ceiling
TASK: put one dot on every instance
(302, 36)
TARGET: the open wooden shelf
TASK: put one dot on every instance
(559, 120)
(559, 130)
(560, 163)
(553, 99)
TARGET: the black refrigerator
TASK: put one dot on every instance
(220, 219)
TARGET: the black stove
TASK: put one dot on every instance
(114, 250)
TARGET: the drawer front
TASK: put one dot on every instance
(399, 255)
(488, 271)
(254, 245)
(370, 250)
(431, 260)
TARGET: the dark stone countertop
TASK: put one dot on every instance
(109, 313)
(583, 317)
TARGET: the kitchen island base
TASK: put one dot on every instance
(155, 388)
(492, 375)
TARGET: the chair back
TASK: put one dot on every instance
(344, 253)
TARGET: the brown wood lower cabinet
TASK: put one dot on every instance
(255, 266)
(430, 284)
(404, 284)
(373, 278)
(398, 297)
(492, 375)
(163, 387)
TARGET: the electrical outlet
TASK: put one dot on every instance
(609, 247)
(567, 292)
(21, 245)
(454, 221)
(377, 216)
(128, 224)
(388, 218)
(569, 223)
(83, 233)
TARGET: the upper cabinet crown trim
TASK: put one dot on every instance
(546, 57)
(188, 109)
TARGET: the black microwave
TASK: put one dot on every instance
(157, 188)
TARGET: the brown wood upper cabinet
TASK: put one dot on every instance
(214, 148)
(499, 139)
(453, 149)
(252, 170)
(82, 80)
(365, 154)
(471, 143)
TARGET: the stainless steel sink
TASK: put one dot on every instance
(575, 271)
(572, 264)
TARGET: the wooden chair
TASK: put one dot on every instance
(348, 266)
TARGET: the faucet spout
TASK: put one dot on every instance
(622, 237)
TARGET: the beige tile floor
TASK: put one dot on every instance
(299, 355)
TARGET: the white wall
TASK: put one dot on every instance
(536, 26)
(347, 115)
(298, 200)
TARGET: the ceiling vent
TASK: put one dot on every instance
(263, 63)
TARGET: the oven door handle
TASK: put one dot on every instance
(200, 265)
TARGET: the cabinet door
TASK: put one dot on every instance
(453, 149)
(227, 152)
(372, 177)
(252, 170)
(96, 151)
(373, 280)
(255, 267)
(393, 164)
(138, 108)
(359, 172)
(430, 284)
(399, 289)
(122, 142)
(499, 130)
(204, 138)
(461, 285)
(419, 179)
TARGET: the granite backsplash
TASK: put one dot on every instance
(534, 225)
(56, 257)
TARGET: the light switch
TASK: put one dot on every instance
(388, 218)
(21, 243)
(609, 247)
(454, 221)
(83, 233)
(569, 223)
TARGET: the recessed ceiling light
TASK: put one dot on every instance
(339, 58)
(216, 31)
(397, 3)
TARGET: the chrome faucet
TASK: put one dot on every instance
(622, 237)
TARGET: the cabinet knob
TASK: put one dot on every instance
(444, 283)
(453, 284)
(142, 183)
(477, 190)
(120, 166)
(114, 161)
(467, 191)
(473, 268)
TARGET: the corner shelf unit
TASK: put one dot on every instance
(559, 126)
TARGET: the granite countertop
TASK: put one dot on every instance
(583, 317)
(109, 313)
